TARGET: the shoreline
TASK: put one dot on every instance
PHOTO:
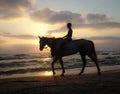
(107, 83)
(73, 71)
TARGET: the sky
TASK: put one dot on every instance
(21, 21)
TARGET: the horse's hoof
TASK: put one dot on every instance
(53, 73)
(99, 73)
(62, 75)
(80, 74)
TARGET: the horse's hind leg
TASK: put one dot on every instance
(54, 60)
(94, 58)
(84, 63)
(63, 70)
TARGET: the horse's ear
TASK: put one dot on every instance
(38, 36)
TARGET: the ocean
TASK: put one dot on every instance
(17, 65)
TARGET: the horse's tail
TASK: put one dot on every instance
(94, 52)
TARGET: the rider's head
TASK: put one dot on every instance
(69, 25)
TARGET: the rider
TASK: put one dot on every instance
(66, 38)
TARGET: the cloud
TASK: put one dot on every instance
(16, 4)
(6, 34)
(47, 15)
(102, 25)
(24, 36)
(6, 14)
(97, 18)
(19, 48)
(105, 38)
(90, 20)
(2, 41)
(107, 42)
(14, 8)
(99, 26)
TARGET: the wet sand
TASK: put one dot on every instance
(91, 83)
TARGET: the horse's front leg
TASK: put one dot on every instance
(63, 70)
(54, 60)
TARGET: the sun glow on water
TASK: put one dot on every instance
(48, 73)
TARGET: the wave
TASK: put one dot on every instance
(21, 71)
(27, 63)
(18, 63)
(23, 56)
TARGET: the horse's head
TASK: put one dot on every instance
(41, 43)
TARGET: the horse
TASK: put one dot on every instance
(83, 46)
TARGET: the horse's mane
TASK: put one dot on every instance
(54, 38)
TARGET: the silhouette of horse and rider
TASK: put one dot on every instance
(66, 46)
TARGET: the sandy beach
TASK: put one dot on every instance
(91, 83)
